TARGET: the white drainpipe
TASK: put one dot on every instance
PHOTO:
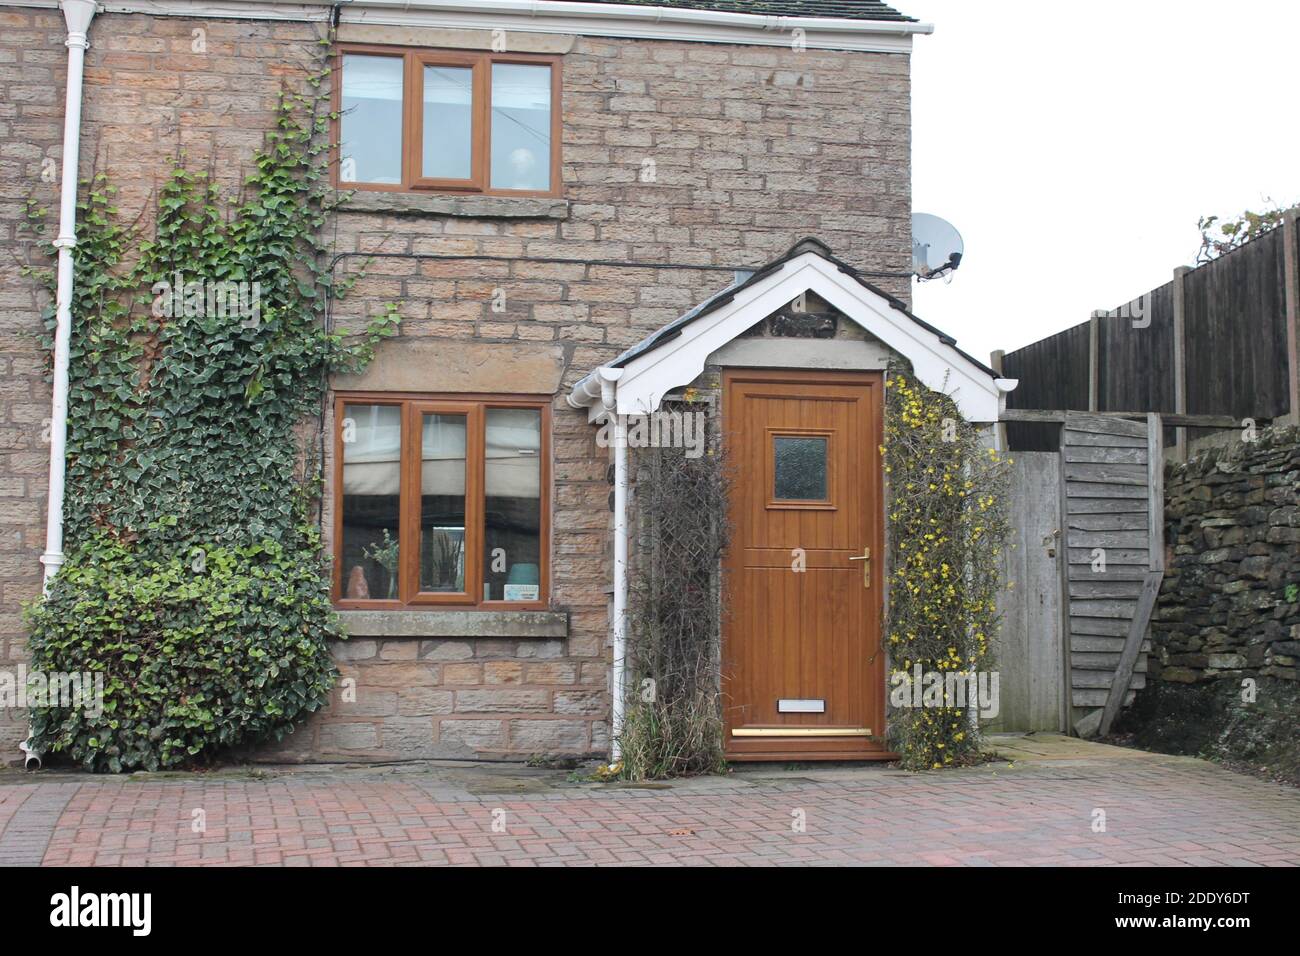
(77, 14)
(608, 399)
(598, 393)
(620, 579)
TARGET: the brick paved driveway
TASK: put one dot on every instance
(1158, 811)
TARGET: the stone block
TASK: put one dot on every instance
(471, 736)
(412, 738)
(398, 675)
(588, 702)
(445, 650)
(337, 736)
(370, 702)
(512, 701)
(1225, 661)
(503, 672)
(424, 701)
(453, 674)
(549, 736)
(354, 650)
(551, 672)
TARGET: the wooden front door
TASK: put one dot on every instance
(803, 669)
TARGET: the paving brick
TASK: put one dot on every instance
(1160, 812)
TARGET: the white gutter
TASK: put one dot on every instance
(554, 16)
(627, 12)
(597, 392)
(589, 389)
(77, 14)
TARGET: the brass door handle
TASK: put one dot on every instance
(865, 558)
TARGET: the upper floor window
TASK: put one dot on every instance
(449, 120)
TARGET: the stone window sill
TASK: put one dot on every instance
(455, 623)
(441, 204)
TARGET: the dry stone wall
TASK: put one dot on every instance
(1230, 603)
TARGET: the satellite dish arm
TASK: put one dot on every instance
(954, 260)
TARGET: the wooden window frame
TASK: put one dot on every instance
(799, 504)
(475, 407)
(413, 158)
(414, 61)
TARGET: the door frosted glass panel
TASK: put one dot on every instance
(372, 473)
(521, 126)
(800, 466)
(448, 122)
(513, 499)
(371, 125)
(442, 502)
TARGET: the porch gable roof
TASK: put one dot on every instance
(637, 380)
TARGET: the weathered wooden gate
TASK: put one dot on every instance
(1089, 546)
(1030, 652)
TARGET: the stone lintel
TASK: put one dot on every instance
(419, 364)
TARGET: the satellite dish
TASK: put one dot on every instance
(936, 246)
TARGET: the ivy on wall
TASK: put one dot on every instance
(194, 583)
(947, 522)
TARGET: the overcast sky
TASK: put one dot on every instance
(1074, 146)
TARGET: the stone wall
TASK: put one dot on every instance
(752, 148)
(1230, 603)
(32, 58)
(401, 698)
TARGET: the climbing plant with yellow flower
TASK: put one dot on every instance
(947, 520)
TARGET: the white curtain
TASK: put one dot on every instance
(371, 459)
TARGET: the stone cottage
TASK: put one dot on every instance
(578, 207)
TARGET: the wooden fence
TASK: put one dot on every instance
(1112, 504)
(1217, 340)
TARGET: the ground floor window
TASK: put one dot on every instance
(440, 501)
